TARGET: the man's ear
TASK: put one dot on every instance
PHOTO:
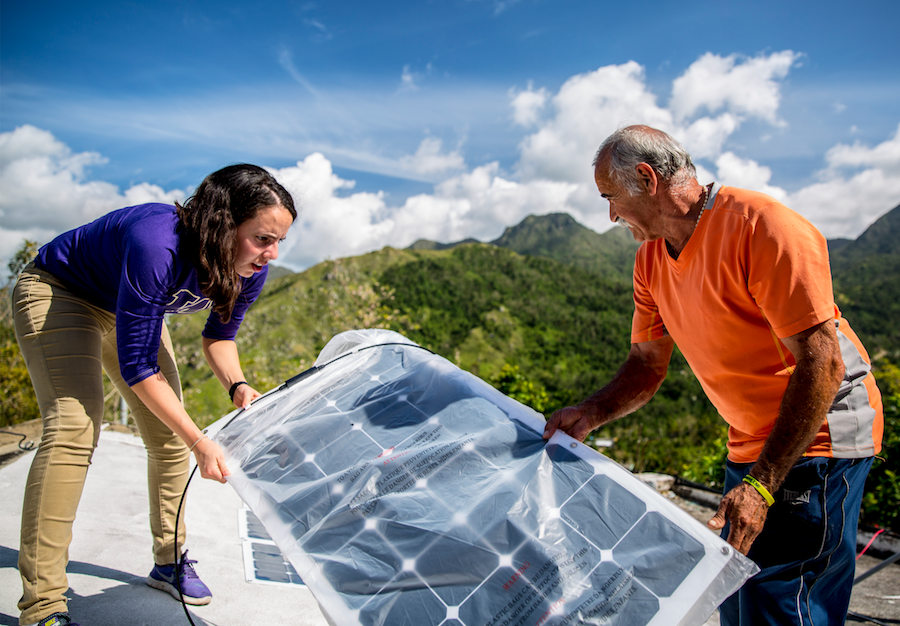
(647, 178)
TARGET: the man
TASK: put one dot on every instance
(742, 284)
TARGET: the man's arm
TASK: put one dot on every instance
(809, 394)
(631, 388)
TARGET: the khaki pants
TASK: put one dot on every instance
(65, 341)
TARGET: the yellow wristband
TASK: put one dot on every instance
(761, 489)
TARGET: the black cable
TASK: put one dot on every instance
(179, 562)
(28, 446)
(873, 620)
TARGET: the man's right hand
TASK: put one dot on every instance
(746, 509)
(572, 420)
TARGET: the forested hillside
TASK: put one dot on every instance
(867, 285)
(543, 313)
(541, 331)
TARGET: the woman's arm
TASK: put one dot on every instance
(222, 356)
(158, 396)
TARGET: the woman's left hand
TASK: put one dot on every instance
(244, 395)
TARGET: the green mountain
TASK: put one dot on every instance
(879, 239)
(427, 244)
(867, 285)
(542, 331)
(559, 237)
(561, 324)
(277, 271)
(543, 313)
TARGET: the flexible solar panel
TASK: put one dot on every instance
(404, 490)
(263, 561)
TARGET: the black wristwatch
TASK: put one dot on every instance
(234, 388)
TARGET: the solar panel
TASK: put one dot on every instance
(404, 490)
(263, 561)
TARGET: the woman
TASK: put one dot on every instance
(96, 297)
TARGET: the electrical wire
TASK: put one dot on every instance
(179, 559)
(866, 618)
(871, 541)
(27, 446)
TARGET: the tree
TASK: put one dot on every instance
(881, 502)
(511, 382)
(23, 256)
(17, 401)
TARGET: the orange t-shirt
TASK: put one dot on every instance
(752, 272)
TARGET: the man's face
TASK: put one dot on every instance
(639, 213)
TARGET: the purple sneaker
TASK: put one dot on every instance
(57, 619)
(163, 578)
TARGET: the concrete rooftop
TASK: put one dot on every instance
(110, 555)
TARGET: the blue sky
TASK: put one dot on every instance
(445, 119)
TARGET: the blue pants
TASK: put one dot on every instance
(807, 549)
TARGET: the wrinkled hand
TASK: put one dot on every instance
(575, 421)
(211, 460)
(244, 395)
(745, 508)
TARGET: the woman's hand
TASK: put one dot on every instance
(211, 460)
(244, 395)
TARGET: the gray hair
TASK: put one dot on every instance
(626, 148)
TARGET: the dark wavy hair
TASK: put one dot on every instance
(209, 220)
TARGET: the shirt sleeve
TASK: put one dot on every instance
(148, 271)
(250, 291)
(788, 272)
(646, 323)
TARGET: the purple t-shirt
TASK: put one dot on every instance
(129, 262)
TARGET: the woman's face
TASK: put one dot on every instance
(258, 239)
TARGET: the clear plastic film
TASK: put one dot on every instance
(404, 490)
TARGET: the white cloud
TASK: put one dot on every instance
(885, 155)
(44, 191)
(587, 108)
(479, 204)
(747, 88)
(476, 204)
(857, 187)
(705, 137)
(737, 172)
(528, 105)
(46, 188)
(329, 224)
(428, 159)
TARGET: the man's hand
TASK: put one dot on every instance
(572, 420)
(746, 509)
